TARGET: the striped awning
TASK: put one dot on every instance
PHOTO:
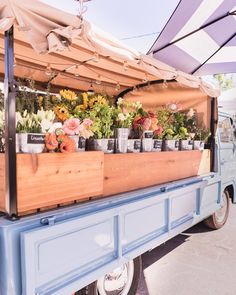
(200, 37)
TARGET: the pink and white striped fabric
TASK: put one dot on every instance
(200, 37)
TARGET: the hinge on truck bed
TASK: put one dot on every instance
(50, 220)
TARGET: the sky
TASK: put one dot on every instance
(125, 18)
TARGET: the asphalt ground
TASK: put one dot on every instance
(199, 261)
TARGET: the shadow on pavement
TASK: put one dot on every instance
(153, 256)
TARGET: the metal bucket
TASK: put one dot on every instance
(122, 135)
(134, 145)
(80, 143)
(31, 142)
(186, 145)
(157, 145)
(171, 145)
(105, 145)
(147, 143)
(198, 145)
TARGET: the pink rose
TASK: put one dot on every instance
(88, 122)
(72, 126)
(147, 124)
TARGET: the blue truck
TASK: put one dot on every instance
(95, 247)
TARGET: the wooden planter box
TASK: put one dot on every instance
(125, 172)
(52, 178)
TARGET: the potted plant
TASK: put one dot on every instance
(124, 117)
(157, 139)
(186, 143)
(59, 142)
(200, 138)
(78, 131)
(171, 140)
(31, 129)
(102, 128)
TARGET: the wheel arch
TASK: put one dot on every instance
(231, 188)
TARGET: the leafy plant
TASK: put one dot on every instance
(202, 133)
(102, 116)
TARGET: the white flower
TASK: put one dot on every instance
(190, 113)
(55, 126)
(120, 101)
(121, 117)
(45, 115)
(45, 125)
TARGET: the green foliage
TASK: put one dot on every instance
(225, 81)
(102, 116)
(202, 133)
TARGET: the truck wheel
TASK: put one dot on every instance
(219, 218)
(122, 281)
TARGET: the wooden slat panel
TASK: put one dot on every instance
(125, 172)
(54, 178)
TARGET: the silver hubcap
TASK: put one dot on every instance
(220, 214)
(117, 282)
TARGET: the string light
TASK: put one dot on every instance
(98, 81)
(48, 71)
(164, 84)
(145, 79)
(117, 87)
(95, 57)
(76, 71)
(125, 66)
(135, 88)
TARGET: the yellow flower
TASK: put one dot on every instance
(40, 99)
(68, 95)
(85, 100)
(99, 99)
(62, 113)
(79, 108)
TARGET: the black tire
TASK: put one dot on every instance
(92, 288)
(212, 221)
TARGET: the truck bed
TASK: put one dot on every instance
(61, 251)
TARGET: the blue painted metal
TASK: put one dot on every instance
(61, 252)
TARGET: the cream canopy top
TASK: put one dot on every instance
(94, 58)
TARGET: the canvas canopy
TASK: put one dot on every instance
(93, 59)
(200, 37)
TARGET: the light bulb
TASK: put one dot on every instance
(135, 88)
(117, 87)
(164, 84)
(95, 57)
(76, 71)
(98, 81)
(145, 79)
(125, 66)
(48, 71)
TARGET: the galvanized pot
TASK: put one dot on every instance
(198, 145)
(31, 142)
(122, 135)
(186, 145)
(157, 145)
(106, 145)
(171, 145)
(147, 143)
(134, 145)
(80, 143)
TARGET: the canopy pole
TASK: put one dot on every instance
(10, 90)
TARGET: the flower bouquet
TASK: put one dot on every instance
(124, 117)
